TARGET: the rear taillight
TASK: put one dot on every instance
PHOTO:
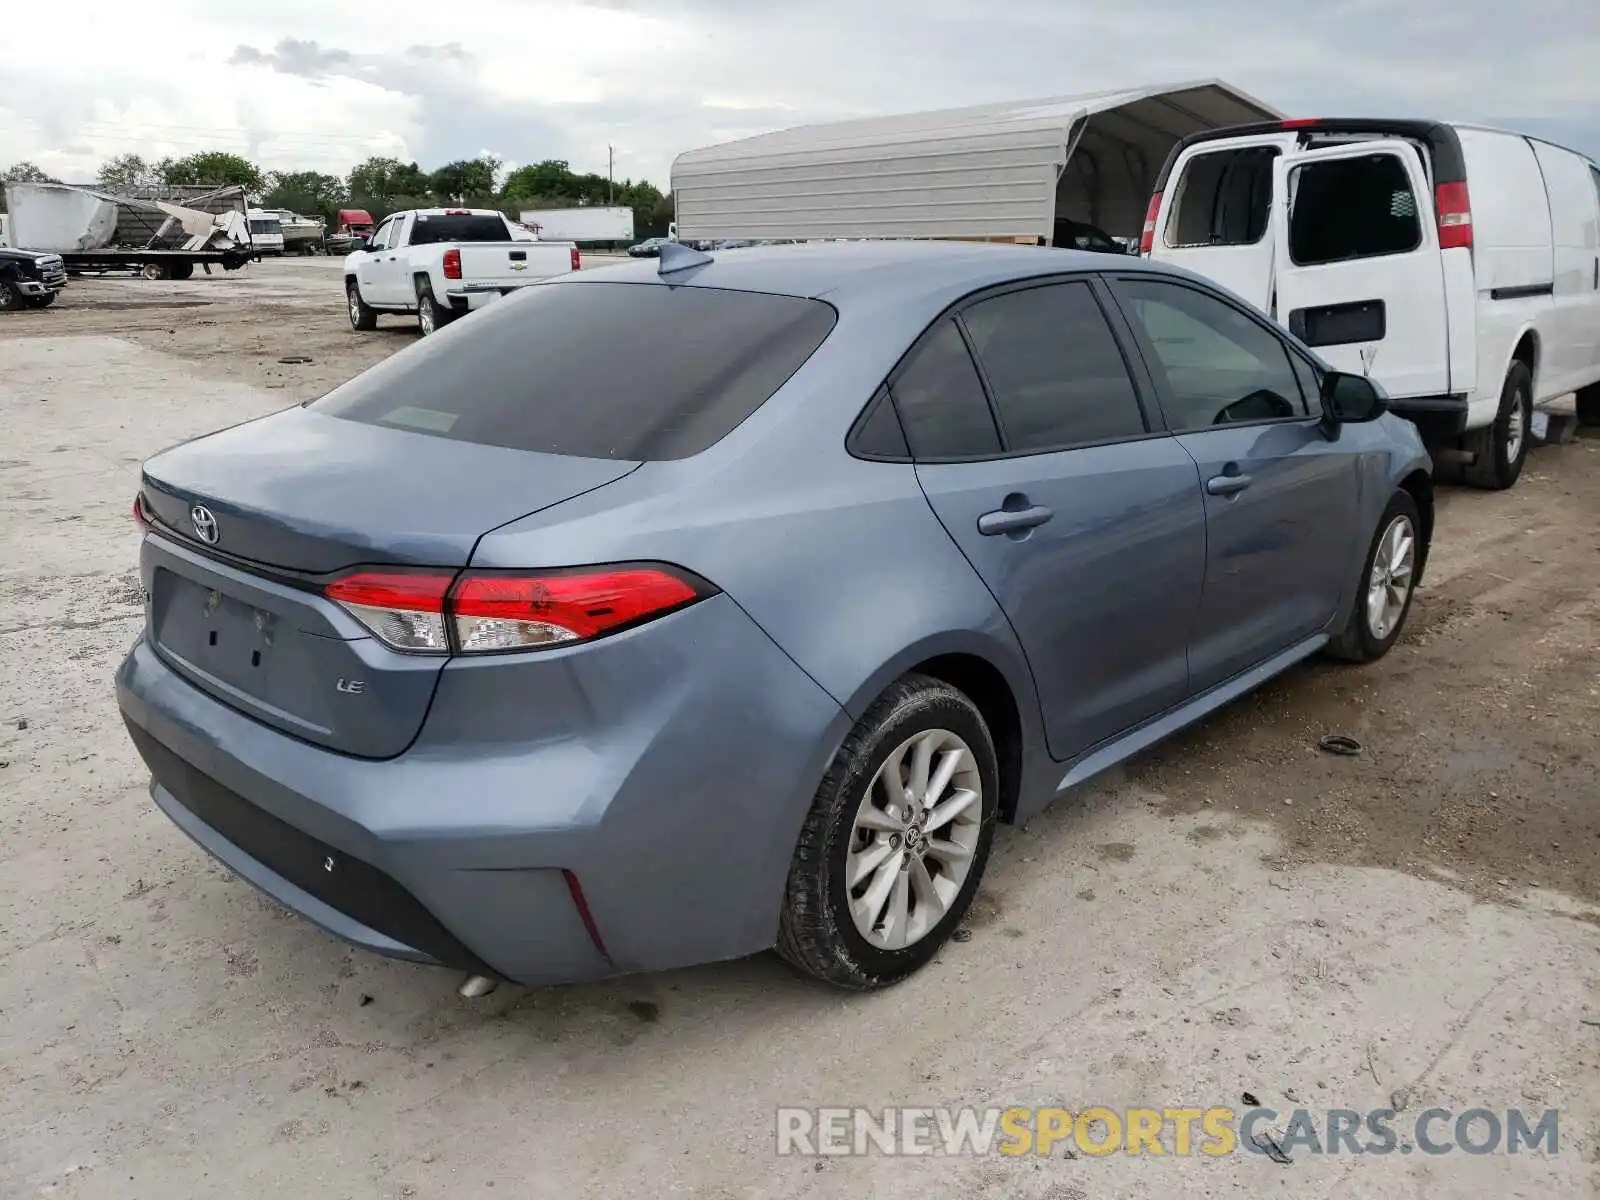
(577, 260)
(452, 264)
(1454, 209)
(404, 609)
(490, 612)
(1147, 235)
(140, 517)
(496, 611)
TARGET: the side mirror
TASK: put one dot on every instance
(1351, 399)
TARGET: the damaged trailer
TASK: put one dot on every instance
(161, 232)
(1015, 172)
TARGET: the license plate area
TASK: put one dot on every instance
(227, 638)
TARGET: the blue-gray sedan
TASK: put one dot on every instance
(670, 612)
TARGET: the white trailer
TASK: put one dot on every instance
(589, 223)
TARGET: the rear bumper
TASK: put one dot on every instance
(674, 801)
(1437, 418)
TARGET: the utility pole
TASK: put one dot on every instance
(611, 182)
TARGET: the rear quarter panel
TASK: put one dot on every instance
(839, 560)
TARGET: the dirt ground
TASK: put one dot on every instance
(1235, 912)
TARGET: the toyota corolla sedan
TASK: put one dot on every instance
(670, 612)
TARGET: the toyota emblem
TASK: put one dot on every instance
(205, 525)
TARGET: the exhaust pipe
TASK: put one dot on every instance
(474, 987)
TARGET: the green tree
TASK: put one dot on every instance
(126, 170)
(310, 193)
(23, 172)
(386, 184)
(467, 179)
(217, 167)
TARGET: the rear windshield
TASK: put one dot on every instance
(429, 228)
(594, 370)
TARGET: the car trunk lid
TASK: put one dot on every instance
(252, 522)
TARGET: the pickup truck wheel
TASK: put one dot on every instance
(10, 297)
(44, 301)
(1500, 449)
(431, 315)
(362, 318)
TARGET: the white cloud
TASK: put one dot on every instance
(301, 83)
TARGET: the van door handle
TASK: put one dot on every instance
(1013, 520)
(1227, 485)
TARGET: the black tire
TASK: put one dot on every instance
(431, 315)
(1589, 405)
(156, 270)
(44, 301)
(182, 270)
(816, 932)
(362, 318)
(10, 296)
(1359, 641)
(1498, 459)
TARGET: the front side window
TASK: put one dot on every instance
(380, 239)
(1220, 367)
(1222, 198)
(1053, 364)
(1350, 208)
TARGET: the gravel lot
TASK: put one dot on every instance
(1234, 912)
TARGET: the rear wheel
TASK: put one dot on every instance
(1500, 449)
(1387, 584)
(431, 315)
(154, 270)
(893, 849)
(182, 270)
(362, 318)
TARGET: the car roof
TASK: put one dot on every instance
(847, 273)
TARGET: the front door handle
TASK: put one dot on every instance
(1227, 485)
(1006, 520)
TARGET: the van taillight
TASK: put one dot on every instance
(1147, 235)
(577, 260)
(1454, 208)
(452, 264)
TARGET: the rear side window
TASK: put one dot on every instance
(940, 400)
(594, 370)
(1053, 364)
(1350, 208)
(1223, 198)
(429, 228)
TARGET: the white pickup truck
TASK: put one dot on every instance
(440, 263)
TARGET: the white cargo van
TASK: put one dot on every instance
(1458, 266)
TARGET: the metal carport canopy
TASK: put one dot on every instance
(989, 171)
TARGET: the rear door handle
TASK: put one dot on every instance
(1227, 485)
(1006, 520)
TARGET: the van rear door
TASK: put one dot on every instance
(1214, 212)
(1359, 274)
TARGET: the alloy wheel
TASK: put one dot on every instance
(914, 837)
(1389, 585)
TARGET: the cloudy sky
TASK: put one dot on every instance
(317, 85)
